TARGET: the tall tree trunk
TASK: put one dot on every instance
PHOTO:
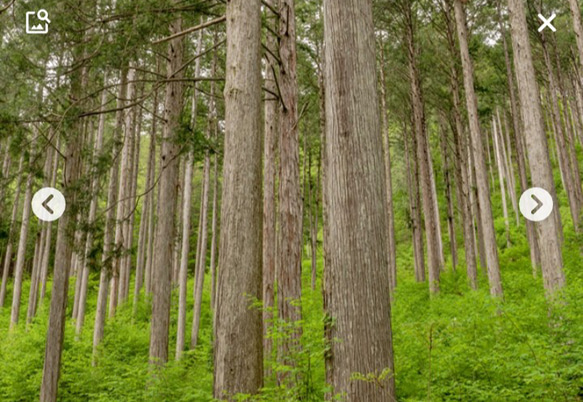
(423, 157)
(448, 195)
(462, 159)
(186, 217)
(11, 233)
(124, 195)
(520, 147)
(22, 240)
(162, 268)
(107, 258)
(71, 174)
(43, 246)
(201, 268)
(271, 133)
(289, 272)
(356, 278)
(145, 231)
(562, 151)
(238, 360)
(215, 213)
(496, 134)
(201, 265)
(133, 137)
(413, 185)
(485, 208)
(578, 28)
(536, 146)
(506, 147)
(392, 247)
(94, 192)
(152, 213)
(34, 277)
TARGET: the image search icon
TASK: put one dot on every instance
(37, 22)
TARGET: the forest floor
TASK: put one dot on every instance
(459, 345)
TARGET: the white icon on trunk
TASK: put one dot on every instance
(536, 204)
(34, 22)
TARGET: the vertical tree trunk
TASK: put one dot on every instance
(506, 147)
(186, 217)
(145, 235)
(448, 195)
(133, 129)
(22, 240)
(215, 213)
(392, 247)
(496, 134)
(423, 157)
(108, 236)
(536, 146)
(578, 28)
(462, 159)
(153, 209)
(520, 147)
(271, 133)
(56, 326)
(165, 231)
(485, 207)
(562, 151)
(8, 256)
(238, 359)
(413, 185)
(289, 274)
(43, 246)
(356, 278)
(34, 277)
(123, 205)
(94, 191)
(201, 266)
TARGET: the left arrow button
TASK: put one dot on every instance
(48, 204)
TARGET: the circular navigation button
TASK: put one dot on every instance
(48, 204)
(536, 204)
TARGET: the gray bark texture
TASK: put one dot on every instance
(487, 233)
(165, 231)
(356, 276)
(536, 146)
(238, 357)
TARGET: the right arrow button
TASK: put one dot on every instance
(536, 204)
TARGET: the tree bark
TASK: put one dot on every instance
(288, 268)
(123, 197)
(146, 231)
(107, 258)
(201, 268)
(94, 191)
(186, 217)
(448, 195)
(520, 147)
(11, 233)
(569, 183)
(165, 231)
(413, 185)
(22, 240)
(56, 326)
(496, 134)
(423, 157)
(238, 356)
(485, 208)
(392, 247)
(271, 135)
(536, 145)
(356, 277)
